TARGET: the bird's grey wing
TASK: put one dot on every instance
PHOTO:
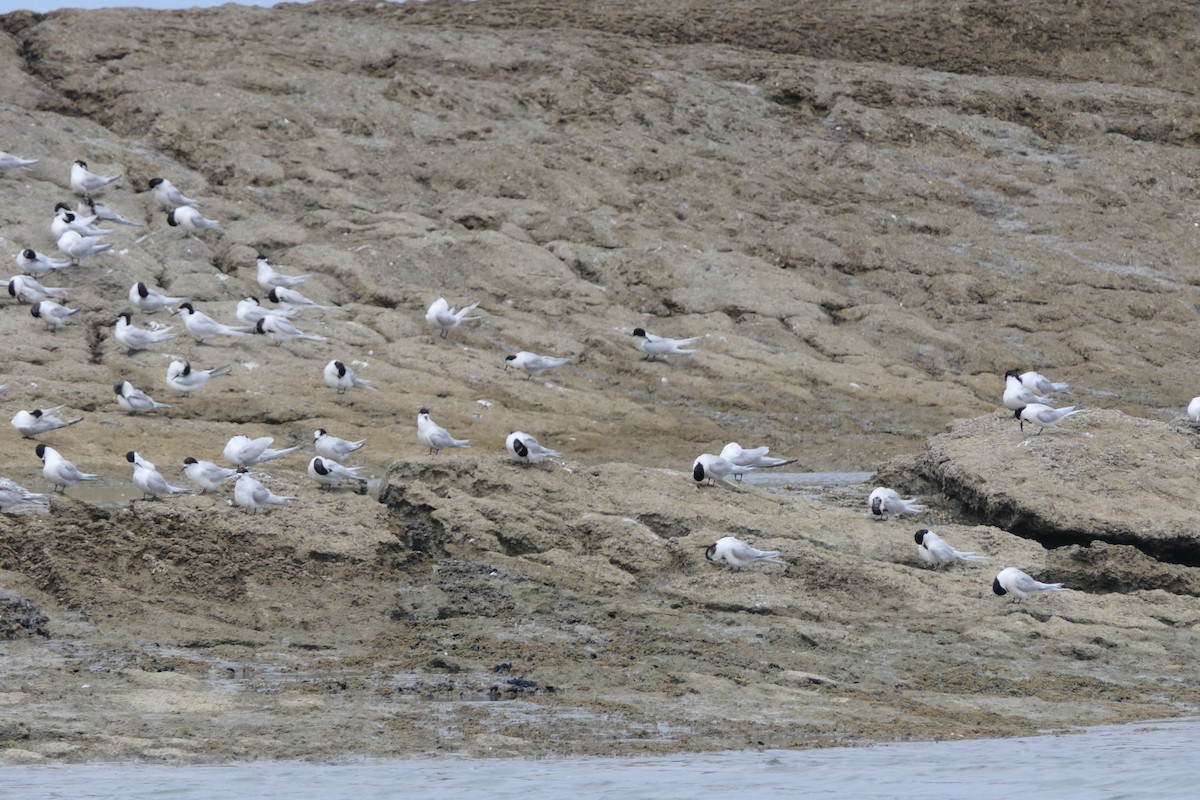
(1049, 416)
(745, 552)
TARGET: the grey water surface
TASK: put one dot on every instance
(1147, 760)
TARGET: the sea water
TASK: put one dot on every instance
(1145, 761)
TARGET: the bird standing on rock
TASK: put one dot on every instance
(1043, 416)
(434, 436)
(1012, 581)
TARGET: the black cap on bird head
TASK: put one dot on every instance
(319, 467)
(708, 553)
(81, 163)
(1012, 373)
(171, 218)
(639, 331)
(142, 290)
(41, 451)
(12, 289)
(29, 254)
(187, 368)
(1017, 415)
(258, 326)
(60, 206)
(698, 472)
(124, 315)
(154, 182)
(506, 358)
(423, 411)
(341, 368)
(190, 460)
(877, 506)
(131, 456)
(520, 449)
(319, 432)
(118, 386)
(191, 308)
(36, 310)
(920, 535)
(36, 413)
(997, 588)
(272, 295)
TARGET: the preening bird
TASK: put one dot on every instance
(133, 400)
(167, 196)
(738, 554)
(149, 300)
(440, 315)
(53, 314)
(41, 420)
(328, 473)
(527, 449)
(756, 458)
(27, 289)
(339, 376)
(183, 378)
(709, 467)
(1012, 581)
(191, 220)
(250, 494)
(936, 551)
(884, 501)
(246, 452)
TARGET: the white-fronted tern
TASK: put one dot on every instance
(434, 436)
(738, 554)
(936, 551)
(884, 502)
(1012, 581)
(442, 316)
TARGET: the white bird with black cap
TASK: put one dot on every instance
(738, 554)
(332, 447)
(527, 449)
(886, 502)
(183, 378)
(434, 436)
(936, 551)
(329, 474)
(147, 478)
(135, 338)
(59, 472)
(85, 182)
(1020, 585)
(150, 300)
(339, 376)
(133, 400)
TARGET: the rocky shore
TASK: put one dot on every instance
(866, 215)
